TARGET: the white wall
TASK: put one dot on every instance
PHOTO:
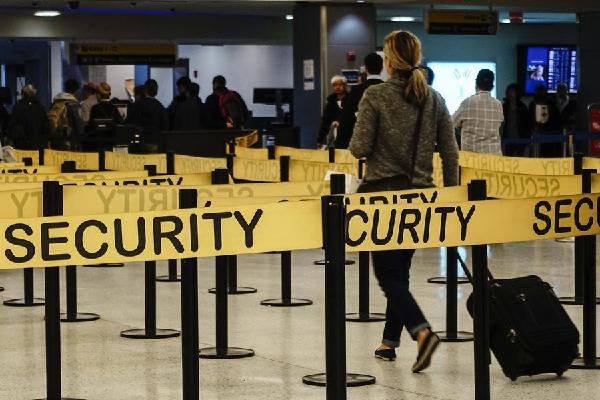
(56, 81)
(245, 67)
(116, 76)
(164, 78)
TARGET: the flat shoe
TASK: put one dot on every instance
(386, 354)
(430, 344)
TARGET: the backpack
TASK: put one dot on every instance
(60, 125)
(231, 108)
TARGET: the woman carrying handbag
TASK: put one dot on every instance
(399, 124)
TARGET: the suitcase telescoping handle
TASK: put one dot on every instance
(467, 271)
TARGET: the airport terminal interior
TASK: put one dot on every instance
(220, 199)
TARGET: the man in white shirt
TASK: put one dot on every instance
(88, 92)
(480, 117)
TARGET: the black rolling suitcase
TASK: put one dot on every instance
(530, 331)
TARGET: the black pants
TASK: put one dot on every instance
(392, 269)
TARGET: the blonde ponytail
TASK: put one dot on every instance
(402, 49)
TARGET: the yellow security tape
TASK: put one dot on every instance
(252, 154)
(591, 163)
(256, 170)
(36, 169)
(248, 140)
(68, 177)
(455, 194)
(33, 154)
(504, 185)
(77, 240)
(302, 154)
(134, 162)
(83, 161)
(195, 165)
(388, 227)
(301, 171)
(344, 156)
(517, 165)
(12, 165)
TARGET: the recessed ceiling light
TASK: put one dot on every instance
(505, 21)
(46, 13)
(361, 1)
(403, 19)
(289, 17)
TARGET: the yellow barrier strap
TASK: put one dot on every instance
(453, 194)
(256, 170)
(33, 154)
(12, 165)
(56, 241)
(302, 154)
(247, 140)
(36, 169)
(134, 162)
(517, 165)
(195, 165)
(252, 154)
(591, 163)
(388, 227)
(301, 171)
(505, 185)
(68, 177)
(83, 161)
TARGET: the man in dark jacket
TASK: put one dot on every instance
(516, 121)
(150, 115)
(545, 119)
(28, 128)
(566, 106)
(187, 115)
(373, 67)
(225, 109)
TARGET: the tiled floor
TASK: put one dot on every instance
(289, 342)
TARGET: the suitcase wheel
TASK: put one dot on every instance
(513, 378)
(560, 373)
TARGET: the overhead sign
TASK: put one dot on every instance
(461, 22)
(123, 53)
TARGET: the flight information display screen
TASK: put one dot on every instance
(549, 66)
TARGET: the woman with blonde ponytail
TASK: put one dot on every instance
(400, 124)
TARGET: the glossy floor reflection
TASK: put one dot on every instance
(289, 342)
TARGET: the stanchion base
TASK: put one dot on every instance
(442, 280)
(141, 334)
(456, 337)
(228, 353)
(64, 398)
(237, 290)
(167, 278)
(352, 380)
(580, 363)
(105, 265)
(21, 302)
(370, 317)
(574, 301)
(346, 262)
(286, 302)
(1, 289)
(80, 317)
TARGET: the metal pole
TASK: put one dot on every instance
(481, 328)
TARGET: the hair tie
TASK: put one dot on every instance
(414, 68)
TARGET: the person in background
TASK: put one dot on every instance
(28, 128)
(544, 119)
(480, 117)
(516, 121)
(430, 75)
(187, 113)
(398, 125)
(373, 67)
(105, 109)
(566, 107)
(138, 93)
(88, 93)
(333, 110)
(149, 115)
(5, 98)
(183, 89)
(225, 108)
(64, 116)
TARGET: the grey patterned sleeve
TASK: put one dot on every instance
(447, 145)
(363, 138)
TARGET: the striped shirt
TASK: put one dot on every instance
(479, 118)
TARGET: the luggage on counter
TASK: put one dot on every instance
(530, 331)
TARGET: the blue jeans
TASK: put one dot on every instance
(392, 269)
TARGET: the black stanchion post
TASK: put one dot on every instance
(229, 159)
(52, 200)
(222, 349)
(41, 157)
(28, 161)
(271, 152)
(588, 256)
(101, 160)
(579, 259)
(219, 177)
(286, 299)
(231, 147)
(481, 317)
(150, 331)
(72, 315)
(451, 334)
(331, 151)
(172, 264)
(336, 186)
(335, 378)
(188, 198)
